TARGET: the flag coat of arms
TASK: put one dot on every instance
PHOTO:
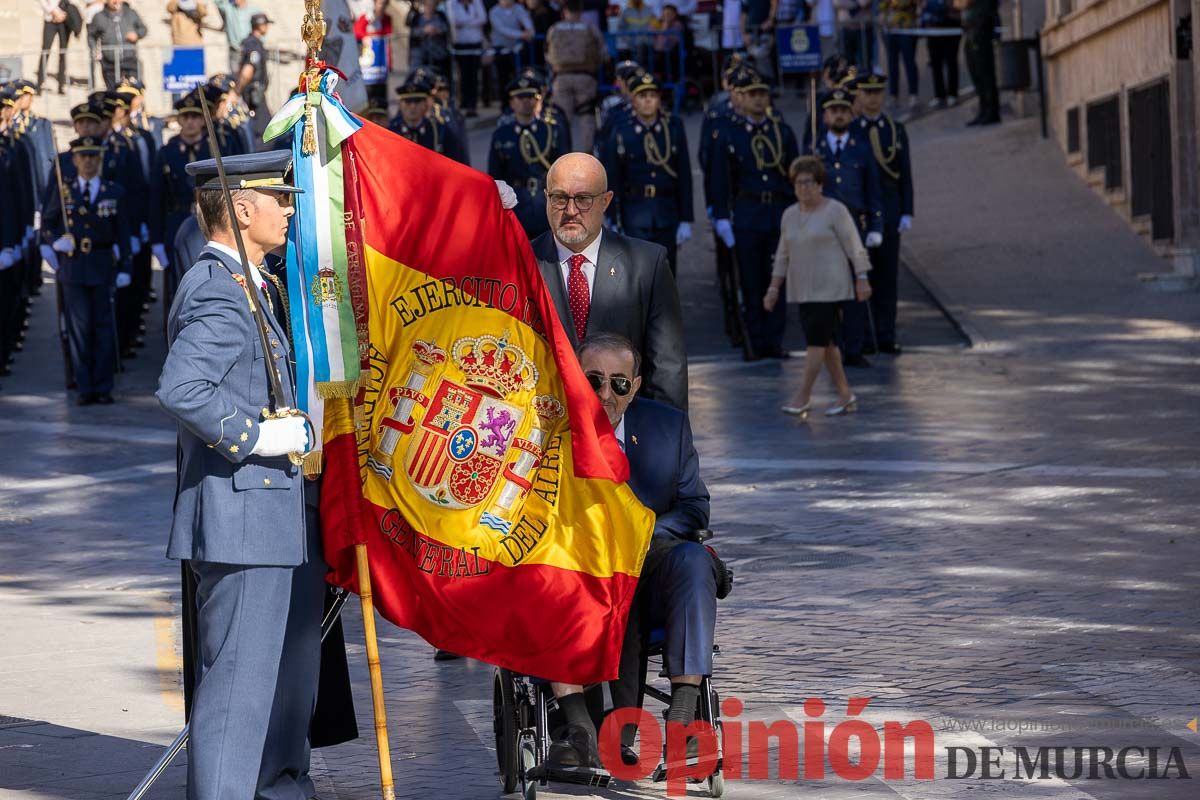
(476, 462)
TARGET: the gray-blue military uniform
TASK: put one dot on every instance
(650, 172)
(93, 213)
(247, 525)
(852, 178)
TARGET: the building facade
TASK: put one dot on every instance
(1120, 87)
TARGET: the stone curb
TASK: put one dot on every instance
(954, 311)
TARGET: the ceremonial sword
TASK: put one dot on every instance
(274, 381)
(161, 765)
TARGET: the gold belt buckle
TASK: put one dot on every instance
(650, 191)
(85, 245)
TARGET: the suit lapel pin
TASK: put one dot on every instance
(633, 438)
(612, 272)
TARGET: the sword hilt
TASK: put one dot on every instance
(283, 413)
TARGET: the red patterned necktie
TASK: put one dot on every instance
(577, 294)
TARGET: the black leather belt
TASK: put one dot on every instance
(650, 190)
(767, 198)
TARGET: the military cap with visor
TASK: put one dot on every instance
(268, 171)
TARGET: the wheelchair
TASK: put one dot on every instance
(524, 714)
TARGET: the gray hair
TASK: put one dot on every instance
(613, 343)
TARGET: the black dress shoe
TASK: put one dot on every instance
(990, 119)
(857, 362)
(445, 655)
(85, 399)
(104, 399)
(890, 349)
(629, 756)
(574, 748)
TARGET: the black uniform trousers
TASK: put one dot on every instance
(89, 320)
(728, 290)
(884, 278)
(50, 32)
(981, 62)
(755, 250)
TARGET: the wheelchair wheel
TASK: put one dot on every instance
(716, 784)
(527, 755)
(504, 725)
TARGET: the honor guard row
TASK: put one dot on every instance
(418, 123)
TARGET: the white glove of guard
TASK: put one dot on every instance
(123, 280)
(7, 258)
(117, 252)
(874, 239)
(508, 198)
(278, 437)
(160, 255)
(724, 229)
(905, 223)
(63, 244)
(49, 256)
(145, 233)
(135, 246)
(683, 232)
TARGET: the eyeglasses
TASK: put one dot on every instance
(583, 202)
(620, 386)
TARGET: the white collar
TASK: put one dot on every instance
(591, 252)
(229, 251)
(619, 431)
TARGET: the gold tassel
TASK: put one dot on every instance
(309, 143)
(314, 464)
(333, 389)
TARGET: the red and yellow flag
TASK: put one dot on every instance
(476, 463)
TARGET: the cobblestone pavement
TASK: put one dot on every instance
(1002, 542)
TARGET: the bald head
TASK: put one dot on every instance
(576, 198)
(577, 172)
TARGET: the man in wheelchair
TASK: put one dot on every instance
(678, 585)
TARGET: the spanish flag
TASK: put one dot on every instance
(476, 462)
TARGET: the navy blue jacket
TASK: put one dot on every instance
(664, 470)
(749, 172)
(96, 226)
(432, 135)
(171, 188)
(638, 157)
(521, 156)
(853, 179)
(895, 167)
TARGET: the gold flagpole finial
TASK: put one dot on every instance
(312, 31)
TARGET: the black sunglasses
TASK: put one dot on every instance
(620, 386)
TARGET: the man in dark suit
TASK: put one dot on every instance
(603, 281)
(677, 589)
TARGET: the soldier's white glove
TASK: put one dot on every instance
(7, 258)
(123, 280)
(49, 256)
(874, 239)
(135, 245)
(508, 198)
(63, 244)
(724, 229)
(278, 437)
(145, 233)
(683, 232)
(160, 254)
(905, 223)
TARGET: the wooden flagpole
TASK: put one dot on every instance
(312, 30)
(381, 729)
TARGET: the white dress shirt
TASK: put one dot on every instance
(836, 143)
(591, 253)
(89, 188)
(229, 251)
(620, 431)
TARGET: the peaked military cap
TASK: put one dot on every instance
(837, 98)
(430, 76)
(735, 62)
(222, 82)
(100, 109)
(747, 79)
(416, 85)
(84, 111)
(270, 171)
(628, 69)
(131, 85)
(644, 82)
(87, 145)
(189, 103)
(8, 95)
(872, 82)
(524, 85)
(536, 75)
(375, 109)
(22, 86)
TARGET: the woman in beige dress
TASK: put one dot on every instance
(822, 259)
